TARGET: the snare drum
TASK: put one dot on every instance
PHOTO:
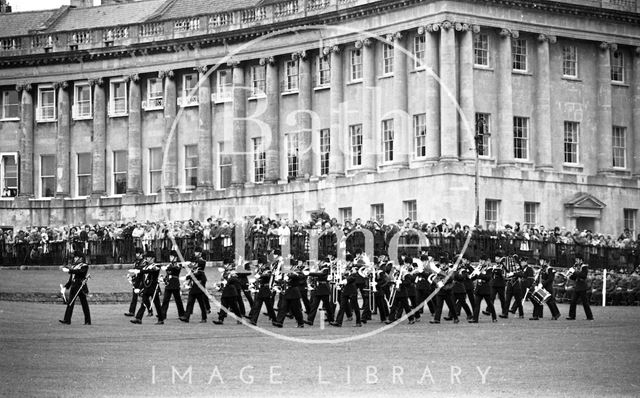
(540, 295)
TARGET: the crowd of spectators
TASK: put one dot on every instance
(264, 233)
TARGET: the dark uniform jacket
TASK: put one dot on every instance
(150, 273)
(458, 282)
(527, 279)
(497, 277)
(350, 289)
(322, 282)
(581, 278)
(232, 287)
(77, 275)
(264, 288)
(199, 275)
(291, 288)
(138, 278)
(172, 278)
(482, 284)
(547, 279)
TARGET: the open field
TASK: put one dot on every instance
(116, 358)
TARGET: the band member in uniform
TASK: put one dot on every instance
(195, 293)
(497, 285)
(290, 300)
(77, 285)
(515, 290)
(262, 296)
(231, 291)
(136, 280)
(423, 287)
(348, 298)
(460, 294)
(445, 294)
(321, 293)
(547, 276)
(580, 292)
(243, 278)
(172, 285)
(303, 287)
(362, 286)
(482, 290)
(380, 298)
(401, 299)
(150, 289)
(201, 262)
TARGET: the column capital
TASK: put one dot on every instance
(202, 68)
(96, 81)
(434, 27)
(608, 46)
(267, 61)
(299, 55)
(504, 32)
(636, 51)
(20, 87)
(362, 43)
(234, 63)
(62, 84)
(394, 36)
(547, 38)
(169, 74)
(131, 78)
(475, 28)
(461, 26)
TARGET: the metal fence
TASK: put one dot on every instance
(257, 247)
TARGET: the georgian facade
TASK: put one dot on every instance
(361, 108)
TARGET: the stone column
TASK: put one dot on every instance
(205, 139)
(467, 103)
(504, 131)
(402, 130)
(369, 147)
(134, 171)
(63, 140)
(25, 139)
(303, 117)
(271, 139)
(336, 99)
(542, 112)
(432, 92)
(448, 93)
(635, 134)
(170, 170)
(99, 142)
(239, 149)
(603, 138)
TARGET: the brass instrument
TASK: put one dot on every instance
(569, 272)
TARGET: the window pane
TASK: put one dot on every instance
(84, 163)
(120, 161)
(155, 159)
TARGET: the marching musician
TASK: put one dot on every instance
(423, 286)
(547, 276)
(482, 290)
(321, 293)
(172, 284)
(362, 284)
(515, 289)
(348, 298)
(198, 260)
(262, 296)
(498, 284)
(528, 276)
(290, 300)
(197, 278)
(136, 280)
(230, 296)
(380, 293)
(460, 294)
(77, 284)
(303, 287)
(243, 278)
(150, 289)
(580, 292)
(445, 294)
(401, 297)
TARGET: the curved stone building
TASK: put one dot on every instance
(175, 109)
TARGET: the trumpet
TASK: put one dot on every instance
(569, 272)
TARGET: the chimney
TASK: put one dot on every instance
(5, 8)
(81, 3)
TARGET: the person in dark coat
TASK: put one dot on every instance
(321, 294)
(482, 291)
(348, 299)
(77, 285)
(580, 292)
(230, 296)
(150, 289)
(136, 280)
(262, 296)
(172, 284)
(196, 278)
(290, 300)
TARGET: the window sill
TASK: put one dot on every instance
(89, 117)
(572, 167)
(10, 198)
(483, 67)
(10, 119)
(40, 199)
(521, 72)
(46, 120)
(189, 105)
(574, 79)
(320, 88)
(289, 92)
(387, 76)
(256, 97)
(620, 84)
(155, 108)
(359, 81)
(418, 70)
(118, 114)
(223, 101)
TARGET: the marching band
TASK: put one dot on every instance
(355, 286)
